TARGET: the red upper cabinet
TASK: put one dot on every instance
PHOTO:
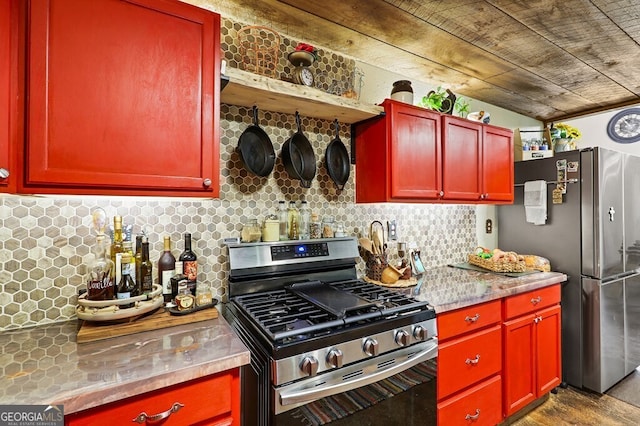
(477, 161)
(462, 159)
(8, 68)
(412, 154)
(123, 98)
(398, 155)
(497, 164)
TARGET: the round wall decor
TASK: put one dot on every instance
(624, 127)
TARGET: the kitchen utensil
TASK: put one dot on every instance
(376, 234)
(298, 156)
(337, 160)
(366, 244)
(390, 274)
(256, 149)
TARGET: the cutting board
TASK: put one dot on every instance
(92, 331)
(465, 265)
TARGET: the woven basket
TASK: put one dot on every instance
(374, 264)
(497, 266)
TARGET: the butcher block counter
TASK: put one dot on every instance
(46, 365)
(447, 288)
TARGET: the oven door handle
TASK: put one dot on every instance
(311, 394)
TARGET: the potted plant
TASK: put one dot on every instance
(441, 100)
(462, 107)
(564, 136)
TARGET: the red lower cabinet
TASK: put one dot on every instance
(213, 401)
(532, 347)
(479, 405)
(495, 358)
(469, 382)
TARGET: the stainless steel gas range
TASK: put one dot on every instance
(313, 328)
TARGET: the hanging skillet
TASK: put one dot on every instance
(337, 160)
(256, 149)
(298, 156)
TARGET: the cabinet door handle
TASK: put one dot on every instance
(4, 173)
(536, 300)
(206, 183)
(473, 361)
(473, 417)
(157, 418)
(474, 318)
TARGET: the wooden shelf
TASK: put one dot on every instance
(268, 94)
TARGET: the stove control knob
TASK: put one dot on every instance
(309, 365)
(419, 332)
(334, 358)
(402, 338)
(370, 346)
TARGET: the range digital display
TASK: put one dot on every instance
(296, 251)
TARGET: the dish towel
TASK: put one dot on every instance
(535, 201)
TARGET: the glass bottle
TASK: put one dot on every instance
(305, 218)
(189, 264)
(100, 282)
(293, 221)
(126, 285)
(283, 217)
(166, 269)
(116, 249)
(146, 281)
(129, 262)
(138, 261)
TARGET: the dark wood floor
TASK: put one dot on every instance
(571, 406)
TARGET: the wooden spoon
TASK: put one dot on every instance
(366, 244)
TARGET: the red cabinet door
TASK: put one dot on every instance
(461, 159)
(414, 147)
(123, 97)
(519, 368)
(7, 64)
(548, 350)
(532, 357)
(497, 164)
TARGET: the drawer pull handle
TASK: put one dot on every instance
(474, 318)
(537, 319)
(473, 361)
(536, 300)
(157, 418)
(473, 417)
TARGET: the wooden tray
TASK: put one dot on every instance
(92, 331)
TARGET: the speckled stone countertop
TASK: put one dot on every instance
(45, 364)
(447, 288)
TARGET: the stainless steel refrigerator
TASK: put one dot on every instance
(593, 236)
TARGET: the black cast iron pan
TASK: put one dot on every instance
(337, 160)
(298, 156)
(256, 149)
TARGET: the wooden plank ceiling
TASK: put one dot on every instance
(546, 59)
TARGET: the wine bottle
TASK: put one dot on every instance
(116, 249)
(146, 269)
(138, 261)
(189, 264)
(166, 269)
(129, 262)
(126, 286)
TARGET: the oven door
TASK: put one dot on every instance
(352, 376)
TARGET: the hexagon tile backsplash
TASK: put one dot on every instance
(46, 242)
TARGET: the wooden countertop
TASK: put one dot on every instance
(447, 288)
(46, 365)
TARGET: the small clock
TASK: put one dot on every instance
(624, 127)
(303, 75)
